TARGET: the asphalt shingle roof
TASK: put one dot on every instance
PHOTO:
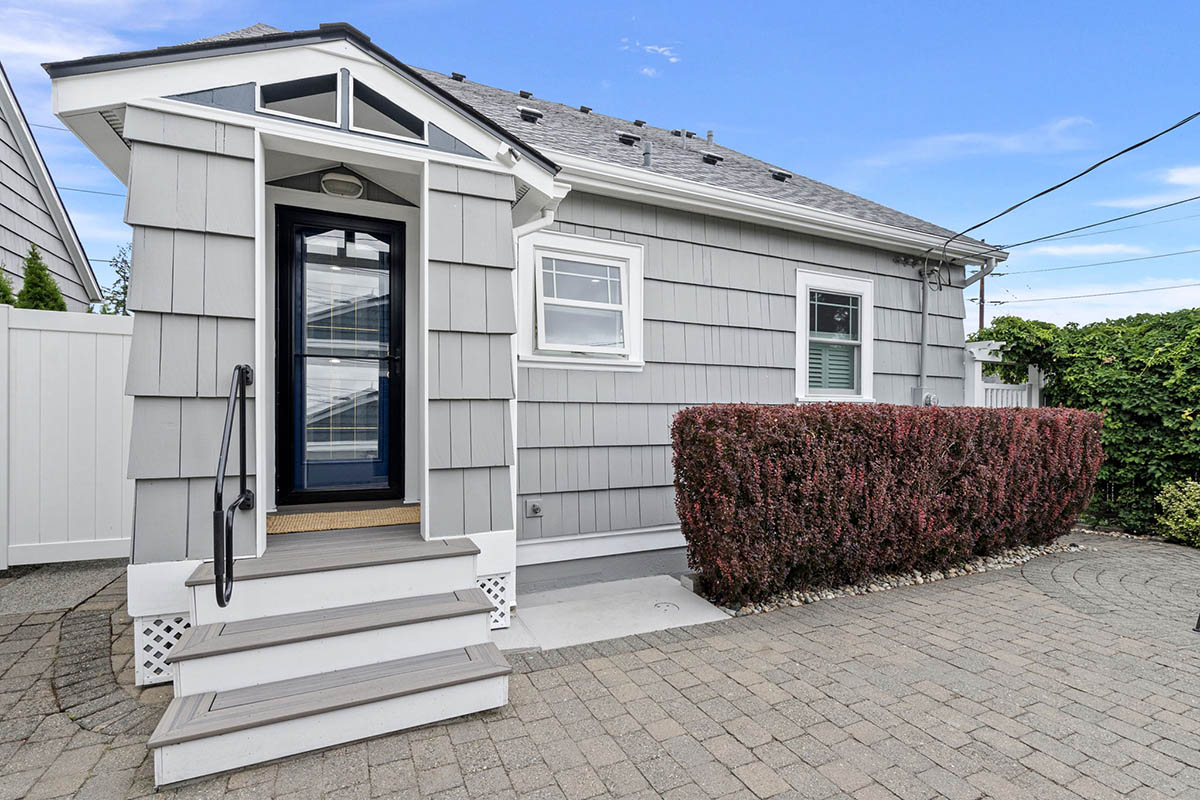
(593, 135)
(250, 32)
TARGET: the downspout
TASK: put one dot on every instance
(923, 395)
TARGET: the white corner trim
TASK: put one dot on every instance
(631, 255)
(865, 289)
(640, 185)
(592, 545)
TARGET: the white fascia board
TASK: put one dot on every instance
(599, 177)
(10, 109)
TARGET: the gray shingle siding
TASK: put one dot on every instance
(720, 319)
(191, 205)
(471, 325)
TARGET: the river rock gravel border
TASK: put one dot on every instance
(1005, 559)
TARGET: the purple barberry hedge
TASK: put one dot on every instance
(775, 498)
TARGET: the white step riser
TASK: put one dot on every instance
(253, 667)
(228, 751)
(287, 594)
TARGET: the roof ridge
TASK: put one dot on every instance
(249, 32)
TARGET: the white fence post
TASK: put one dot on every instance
(1035, 387)
(5, 312)
(976, 355)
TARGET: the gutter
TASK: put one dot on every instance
(641, 185)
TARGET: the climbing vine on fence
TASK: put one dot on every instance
(1143, 372)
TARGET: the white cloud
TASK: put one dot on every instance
(666, 51)
(1053, 137)
(1088, 250)
(1186, 178)
(1095, 309)
(30, 37)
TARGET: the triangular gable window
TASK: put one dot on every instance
(313, 98)
(371, 112)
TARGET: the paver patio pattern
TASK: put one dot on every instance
(1074, 676)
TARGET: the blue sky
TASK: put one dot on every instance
(946, 111)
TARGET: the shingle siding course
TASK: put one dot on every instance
(25, 220)
(720, 326)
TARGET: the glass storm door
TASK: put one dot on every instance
(343, 342)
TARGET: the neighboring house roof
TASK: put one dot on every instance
(563, 128)
(10, 113)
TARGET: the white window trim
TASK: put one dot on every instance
(628, 256)
(807, 280)
(369, 131)
(337, 99)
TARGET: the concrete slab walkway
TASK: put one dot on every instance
(599, 611)
(1076, 676)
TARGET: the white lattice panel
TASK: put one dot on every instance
(153, 638)
(496, 587)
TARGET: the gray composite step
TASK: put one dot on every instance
(208, 714)
(219, 638)
(300, 553)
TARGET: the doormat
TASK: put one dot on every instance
(337, 520)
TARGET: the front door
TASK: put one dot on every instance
(340, 347)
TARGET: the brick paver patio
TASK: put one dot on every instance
(1075, 676)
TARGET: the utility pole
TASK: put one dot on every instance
(981, 303)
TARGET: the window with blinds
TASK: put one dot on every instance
(834, 344)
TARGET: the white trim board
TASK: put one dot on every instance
(593, 545)
(864, 289)
(630, 256)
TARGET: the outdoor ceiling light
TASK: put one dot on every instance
(340, 184)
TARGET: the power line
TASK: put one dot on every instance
(1081, 296)
(1060, 234)
(1124, 228)
(48, 127)
(90, 191)
(1094, 263)
(1074, 177)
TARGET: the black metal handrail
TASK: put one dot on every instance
(243, 376)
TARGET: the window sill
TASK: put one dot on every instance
(577, 362)
(832, 398)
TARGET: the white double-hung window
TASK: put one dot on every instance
(581, 301)
(834, 337)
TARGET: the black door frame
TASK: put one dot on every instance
(289, 287)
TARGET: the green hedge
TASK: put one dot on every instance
(1143, 372)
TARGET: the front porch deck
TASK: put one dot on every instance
(320, 551)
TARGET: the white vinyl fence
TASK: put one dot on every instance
(998, 395)
(64, 436)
